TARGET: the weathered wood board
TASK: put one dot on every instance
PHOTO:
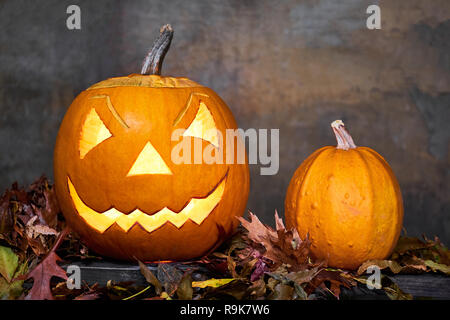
(424, 286)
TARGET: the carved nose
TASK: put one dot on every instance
(149, 161)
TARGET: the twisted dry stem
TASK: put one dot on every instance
(153, 61)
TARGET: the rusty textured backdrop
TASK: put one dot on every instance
(293, 65)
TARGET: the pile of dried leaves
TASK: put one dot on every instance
(259, 262)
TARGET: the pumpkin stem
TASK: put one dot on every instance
(344, 139)
(153, 61)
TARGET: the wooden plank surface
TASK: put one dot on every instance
(434, 286)
(102, 271)
(424, 285)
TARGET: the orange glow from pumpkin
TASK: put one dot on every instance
(93, 132)
(196, 210)
(203, 126)
(149, 162)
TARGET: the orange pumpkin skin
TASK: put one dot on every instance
(148, 105)
(350, 204)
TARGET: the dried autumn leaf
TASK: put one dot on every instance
(382, 264)
(282, 292)
(279, 225)
(6, 216)
(238, 289)
(184, 290)
(335, 278)
(303, 276)
(169, 276)
(289, 260)
(216, 265)
(44, 202)
(88, 296)
(164, 295)
(214, 283)
(437, 266)
(295, 279)
(259, 270)
(247, 267)
(33, 230)
(232, 266)
(51, 210)
(411, 254)
(281, 245)
(393, 290)
(408, 266)
(45, 271)
(257, 231)
(150, 277)
(41, 229)
(406, 244)
(42, 274)
(19, 206)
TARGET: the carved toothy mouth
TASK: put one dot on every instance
(196, 210)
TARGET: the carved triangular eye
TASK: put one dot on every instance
(203, 126)
(149, 162)
(93, 132)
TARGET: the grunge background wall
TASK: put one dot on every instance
(293, 65)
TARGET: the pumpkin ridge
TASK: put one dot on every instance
(349, 200)
(370, 197)
(294, 188)
(395, 190)
(312, 219)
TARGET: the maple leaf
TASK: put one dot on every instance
(281, 245)
(287, 259)
(45, 271)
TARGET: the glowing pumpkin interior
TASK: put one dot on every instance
(149, 161)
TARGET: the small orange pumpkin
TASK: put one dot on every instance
(115, 177)
(348, 201)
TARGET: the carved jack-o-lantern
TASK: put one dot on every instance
(114, 175)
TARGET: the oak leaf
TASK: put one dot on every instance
(45, 271)
(42, 274)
